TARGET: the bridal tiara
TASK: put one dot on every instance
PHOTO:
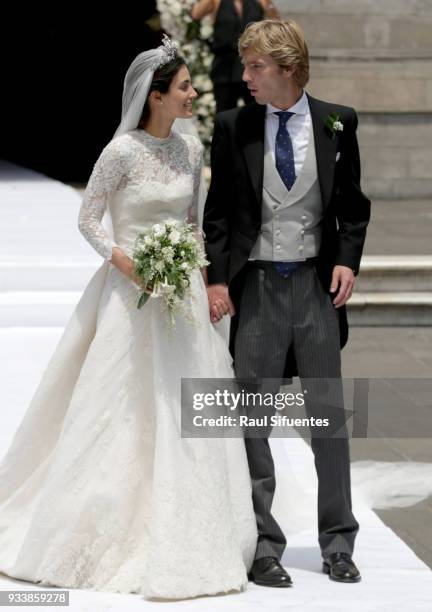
(167, 52)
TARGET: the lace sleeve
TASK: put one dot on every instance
(107, 175)
(198, 164)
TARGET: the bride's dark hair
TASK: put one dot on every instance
(162, 79)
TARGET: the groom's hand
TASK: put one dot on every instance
(220, 302)
(343, 277)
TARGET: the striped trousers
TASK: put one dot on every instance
(275, 313)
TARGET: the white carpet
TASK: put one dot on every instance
(44, 265)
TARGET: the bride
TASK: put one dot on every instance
(98, 490)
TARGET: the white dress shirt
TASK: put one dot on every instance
(298, 126)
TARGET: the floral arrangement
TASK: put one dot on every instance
(164, 256)
(193, 42)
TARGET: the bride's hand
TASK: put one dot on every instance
(220, 302)
(148, 289)
(125, 265)
(139, 283)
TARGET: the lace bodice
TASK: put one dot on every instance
(141, 180)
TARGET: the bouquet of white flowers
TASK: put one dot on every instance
(164, 257)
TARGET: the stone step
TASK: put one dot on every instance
(54, 308)
(390, 290)
(390, 309)
(395, 273)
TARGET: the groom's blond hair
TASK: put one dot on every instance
(283, 41)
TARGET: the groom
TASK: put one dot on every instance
(285, 224)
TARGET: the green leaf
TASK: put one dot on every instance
(143, 299)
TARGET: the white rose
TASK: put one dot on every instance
(176, 9)
(206, 30)
(199, 81)
(188, 48)
(174, 236)
(338, 126)
(207, 83)
(167, 253)
(207, 100)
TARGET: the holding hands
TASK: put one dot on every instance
(220, 302)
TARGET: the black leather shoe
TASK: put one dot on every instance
(340, 567)
(267, 571)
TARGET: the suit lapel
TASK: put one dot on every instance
(325, 147)
(251, 131)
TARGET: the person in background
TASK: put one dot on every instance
(230, 18)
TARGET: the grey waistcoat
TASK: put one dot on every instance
(291, 220)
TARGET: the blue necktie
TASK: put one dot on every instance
(284, 157)
(284, 154)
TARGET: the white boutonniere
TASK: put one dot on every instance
(333, 124)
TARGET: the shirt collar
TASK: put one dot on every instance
(301, 107)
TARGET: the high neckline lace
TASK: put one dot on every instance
(154, 139)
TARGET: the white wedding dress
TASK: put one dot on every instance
(98, 490)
